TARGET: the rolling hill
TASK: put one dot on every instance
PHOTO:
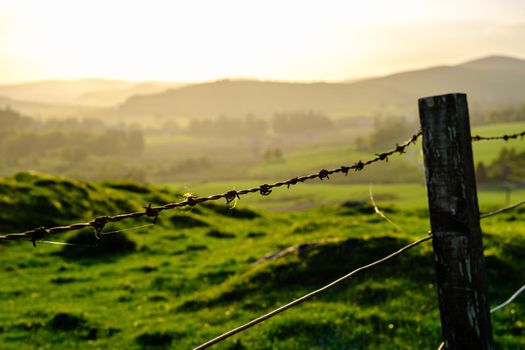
(83, 92)
(490, 81)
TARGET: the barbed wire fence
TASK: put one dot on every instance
(100, 222)
(40, 234)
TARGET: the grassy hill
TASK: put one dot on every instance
(484, 80)
(82, 92)
(202, 271)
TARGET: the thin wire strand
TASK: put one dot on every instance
(309, 295)
(510, 300)
(502, 210)
(69, 244)
(381, 214)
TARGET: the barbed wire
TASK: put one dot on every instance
(309, 295)
(99, 223)
(502, 137)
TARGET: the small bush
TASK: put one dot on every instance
(154, 339)
(219, 234)
(110, 245)
(64, 321)
(187, 221)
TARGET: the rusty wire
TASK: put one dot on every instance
(265, 189)
(100, 222)
(501, 137)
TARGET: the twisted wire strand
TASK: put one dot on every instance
(505, 137)
(98, 223)
(190, 200)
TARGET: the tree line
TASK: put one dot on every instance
(508, 167)
(285, 123)
(70, 139)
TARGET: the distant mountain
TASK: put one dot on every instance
(489, 81)
(59, 91)
(38, 109)
(497, 63)
(85, 92)
(117, 96)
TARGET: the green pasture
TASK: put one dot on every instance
(204, 270)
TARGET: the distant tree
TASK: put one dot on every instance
(223, 126)
(300, 122)
(389, 130)
(508, 167)
(273, 154)
(13, 120)
(135, 140)
(481, 173)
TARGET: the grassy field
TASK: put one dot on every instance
(241, 161)
(202, 271)
(340, 188)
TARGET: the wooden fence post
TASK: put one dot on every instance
(454, 219)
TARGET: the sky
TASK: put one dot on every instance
(272, 40)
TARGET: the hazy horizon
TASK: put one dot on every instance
(248, 78)
(171, 41)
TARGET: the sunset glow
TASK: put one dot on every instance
(205, 40)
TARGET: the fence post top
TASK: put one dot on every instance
(434, 101)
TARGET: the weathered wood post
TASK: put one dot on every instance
(454, 219)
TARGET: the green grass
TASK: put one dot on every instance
(200, 272)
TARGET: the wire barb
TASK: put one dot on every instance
(99, 224)
(152, 212)
(265, 189)
(37, 235)
(230, 196)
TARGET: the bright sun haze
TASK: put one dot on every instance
(278, 40)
